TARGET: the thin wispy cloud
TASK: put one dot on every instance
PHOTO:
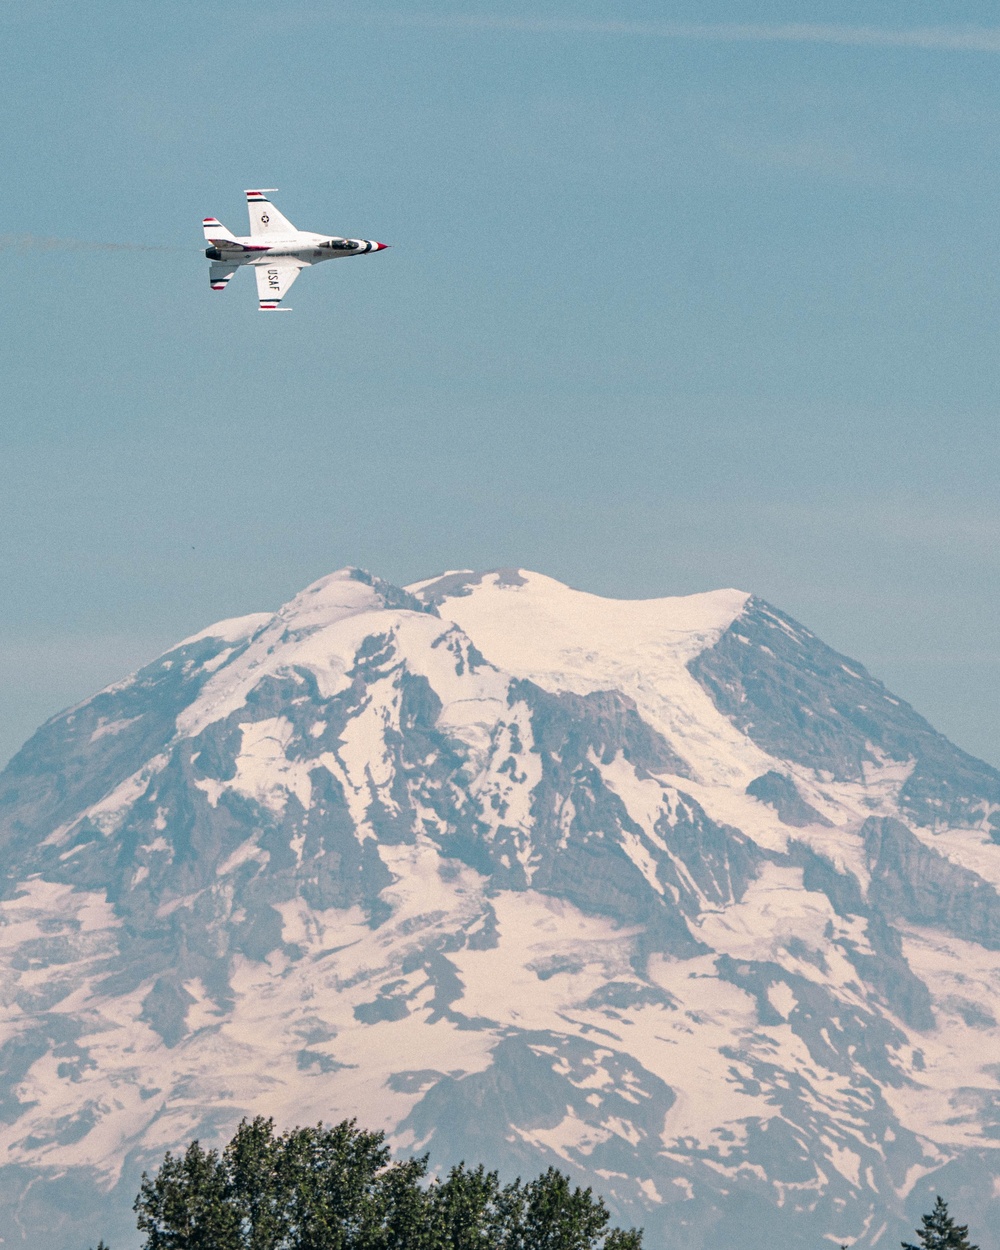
(926, 38)
(39, 243)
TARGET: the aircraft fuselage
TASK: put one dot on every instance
(312, 248)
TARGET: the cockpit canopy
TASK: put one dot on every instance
(341, 245)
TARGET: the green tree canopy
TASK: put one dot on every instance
(939, 1231)
(338, 1188)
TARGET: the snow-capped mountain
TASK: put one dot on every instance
(665, 893)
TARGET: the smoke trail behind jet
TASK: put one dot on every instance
(39, 243)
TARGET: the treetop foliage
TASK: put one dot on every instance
(938, 1231)
(337, 1188)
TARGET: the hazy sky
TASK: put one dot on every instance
(681, 296)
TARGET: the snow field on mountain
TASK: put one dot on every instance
(236, 629)
(320, 629)
(569, 640)
(272, 1051)
(956, 1070)
(263, 771)
(775, 911)
(76, 931)
(471, 704)
(564, 639)
(550, 957)
(686, 1044)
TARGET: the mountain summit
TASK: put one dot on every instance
(666, 893)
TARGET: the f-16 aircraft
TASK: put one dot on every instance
(274, 248)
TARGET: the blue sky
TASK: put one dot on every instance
(681, 296)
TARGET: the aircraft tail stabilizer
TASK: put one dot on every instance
(216, 232)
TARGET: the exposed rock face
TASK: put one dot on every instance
(801, 701)
(668, 894)
(910, 881)
(782, 794)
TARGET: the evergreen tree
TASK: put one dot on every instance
(939, 1231)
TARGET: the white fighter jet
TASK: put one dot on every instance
(275, 249)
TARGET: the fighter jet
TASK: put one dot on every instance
(274, 248)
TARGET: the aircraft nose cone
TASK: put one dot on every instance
(380, 247)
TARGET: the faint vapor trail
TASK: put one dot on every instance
(38, 243)
(983, 39)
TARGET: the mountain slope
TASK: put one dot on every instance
(667, 893)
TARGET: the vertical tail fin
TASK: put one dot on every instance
(264, 217)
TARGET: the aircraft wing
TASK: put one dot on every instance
(274, 279)
(219, 275)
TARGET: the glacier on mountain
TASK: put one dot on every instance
(666, 893)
